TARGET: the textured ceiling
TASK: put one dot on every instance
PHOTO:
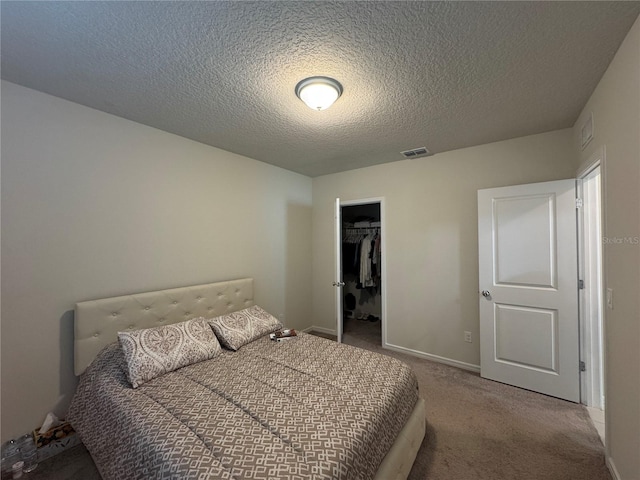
(444, 75)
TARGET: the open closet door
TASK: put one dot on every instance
(338, 283)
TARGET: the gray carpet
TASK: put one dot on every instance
(477, 429)
(483, 430)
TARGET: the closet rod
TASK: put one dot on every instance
(360, 229)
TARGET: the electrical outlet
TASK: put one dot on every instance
(467, 337)
(610, 298)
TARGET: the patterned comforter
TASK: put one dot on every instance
(307, 408)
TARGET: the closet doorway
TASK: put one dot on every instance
(360, 270)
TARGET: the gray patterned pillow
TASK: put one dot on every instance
(155, 351)
(239, 328)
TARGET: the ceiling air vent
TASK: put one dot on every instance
(416, 152)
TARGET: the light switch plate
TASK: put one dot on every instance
(610, 298)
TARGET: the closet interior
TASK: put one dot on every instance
(362, 270)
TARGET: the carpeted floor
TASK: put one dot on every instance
(483, 430)
(477, 429)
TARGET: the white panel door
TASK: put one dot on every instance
(338, 283)
(529, 289)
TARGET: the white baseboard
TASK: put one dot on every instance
(436, 358)
(416, 353)
(612, 468)
(327, 331)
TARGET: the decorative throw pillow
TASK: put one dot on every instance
(239, 328)
(155, 351)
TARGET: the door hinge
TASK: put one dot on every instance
(580, 284)
(583, 367)
(579, 203)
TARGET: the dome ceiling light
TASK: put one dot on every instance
(318, 93)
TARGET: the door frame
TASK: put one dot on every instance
(592, 352)
(383, 260)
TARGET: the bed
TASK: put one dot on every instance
(307, 408)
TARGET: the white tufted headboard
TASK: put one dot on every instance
(97, 322)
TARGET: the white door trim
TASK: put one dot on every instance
(383, 251)
(592, 348)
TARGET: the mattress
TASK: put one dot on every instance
(306, 408)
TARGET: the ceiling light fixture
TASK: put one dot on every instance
(318, 93)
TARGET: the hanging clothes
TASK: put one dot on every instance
(361, 256)
(366, 278)
(375, 260)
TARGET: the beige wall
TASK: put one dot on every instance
(94, 205)
(431, 235)
(616, 113)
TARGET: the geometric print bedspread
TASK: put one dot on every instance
(307, 408)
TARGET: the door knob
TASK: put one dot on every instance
(338, 284)
(486, 293)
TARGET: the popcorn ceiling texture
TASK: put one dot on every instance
(445, 75)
